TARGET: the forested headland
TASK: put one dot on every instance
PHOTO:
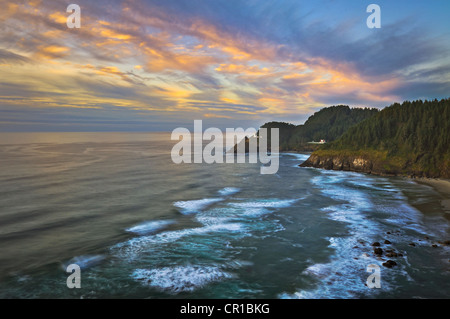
(412, 138)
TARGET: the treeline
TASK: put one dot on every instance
(328, 124)
(413, 136)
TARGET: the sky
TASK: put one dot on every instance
(158, 65)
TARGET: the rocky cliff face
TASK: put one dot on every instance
(376, 166)
(349, 163)
(339, 163)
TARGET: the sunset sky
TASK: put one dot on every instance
(157, 65)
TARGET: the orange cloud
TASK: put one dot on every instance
(211, 115)
(108, 33)
(58, 17)
(52, 52)
(243, 69)
(165, 60)
(237, 48)
(222, 69)
(8, 10)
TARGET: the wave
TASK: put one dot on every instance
(369, 207)
(149, 227)
(85, 261)
(344, 276)
(235, 221)
(195, 206)
(229, 191)
(298, 158)
(180, 278)
(266, 203)
(135, 246)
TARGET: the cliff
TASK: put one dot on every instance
(411, 139)
(372, 164)
(329, 123)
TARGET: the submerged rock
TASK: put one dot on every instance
(378, 251)
(389, 264)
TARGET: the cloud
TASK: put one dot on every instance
(10, 58)
(223, 60)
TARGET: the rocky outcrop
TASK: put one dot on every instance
(346, 163)
(371, 163)
(362, 164)
(389, 264)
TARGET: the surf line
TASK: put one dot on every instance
(213, 152)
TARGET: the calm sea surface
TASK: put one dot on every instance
(140, 226)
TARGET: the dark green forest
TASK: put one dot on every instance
(411, 138)
(329, 123)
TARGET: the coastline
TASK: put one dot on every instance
(442, 186)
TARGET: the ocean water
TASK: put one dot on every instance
(140, 226)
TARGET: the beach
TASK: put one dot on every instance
(442, 186)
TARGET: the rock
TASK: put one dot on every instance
(387, 242)
(434, 246)
(378, 251)
(392, 254)
(389, 264)
(346, 163)
(376, 244)
(412, 244)
(388, 232)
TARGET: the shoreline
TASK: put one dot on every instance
(442, 186)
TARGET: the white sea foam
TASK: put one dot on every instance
(265, 203)
(255, 211)
(149, 227)
(343, 276)
(180, 278)
(296, 156)
(229, 191)
(133, 247)
(195, 206)
(318, 270)
(234, 220)
(297, 159)
(85, 261)
(406, 216)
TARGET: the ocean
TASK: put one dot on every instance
(140, 226)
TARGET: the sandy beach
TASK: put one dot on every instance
(442, 186)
